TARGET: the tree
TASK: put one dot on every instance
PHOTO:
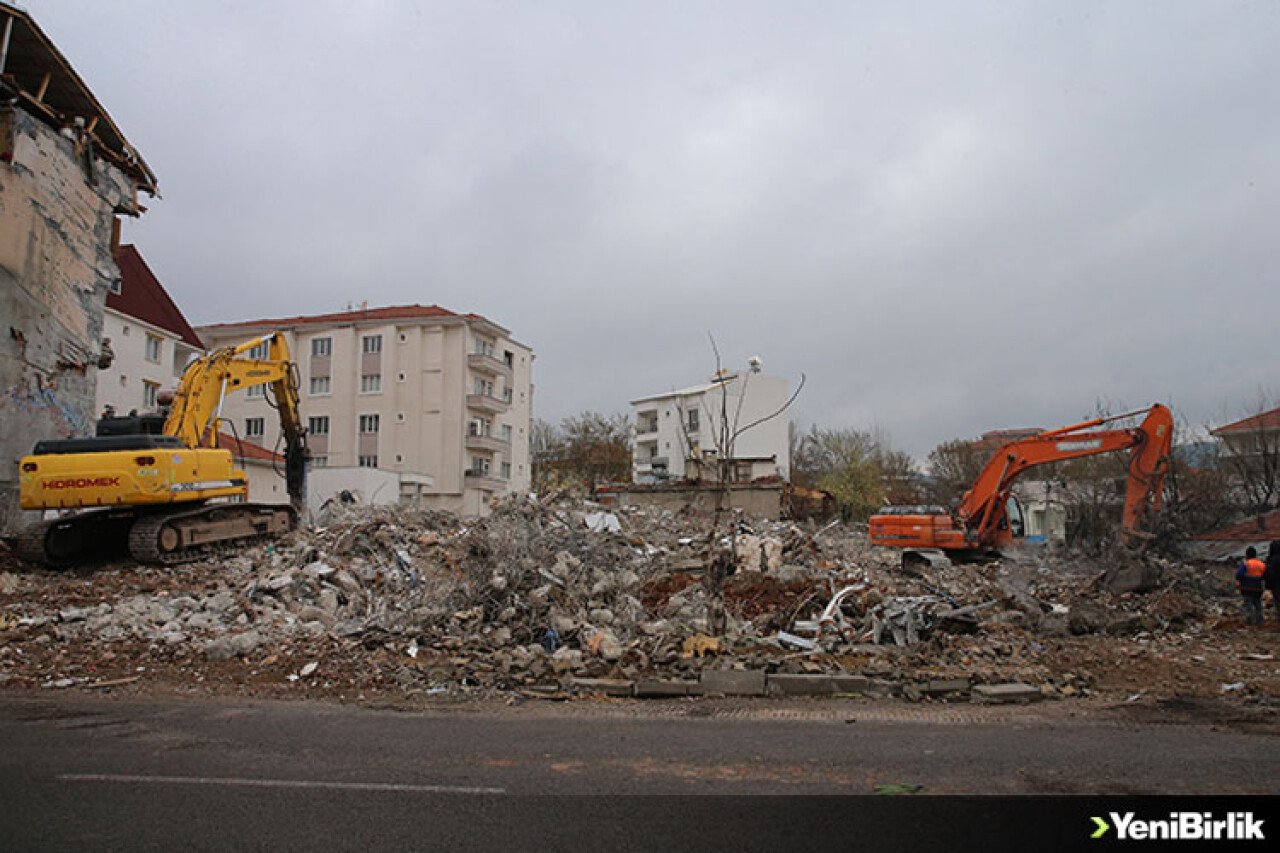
(954, 466)
(582, 452)
(859, 469)
(1251, 455)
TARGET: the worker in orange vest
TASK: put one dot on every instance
(1249, 582)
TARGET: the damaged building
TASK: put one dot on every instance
(67, 174)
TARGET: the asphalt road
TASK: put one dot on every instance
(83, 772)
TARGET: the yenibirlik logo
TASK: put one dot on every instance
(1181, 826)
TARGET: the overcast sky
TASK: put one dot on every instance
(953, 217)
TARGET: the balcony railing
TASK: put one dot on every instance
(485, 363)
(487, 403)
(481, 480)
(487, 442)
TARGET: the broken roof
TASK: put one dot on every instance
(388, 314)
(144, 298)
(247, 450)
(1258, 423)
(1262, 528)
(36, 73)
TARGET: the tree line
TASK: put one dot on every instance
(1211, 481)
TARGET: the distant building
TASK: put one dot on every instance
(150, 339)
(1253, 438)
(66, 176)
(440, 400)
(678, 435)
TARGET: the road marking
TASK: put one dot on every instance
(279, 783)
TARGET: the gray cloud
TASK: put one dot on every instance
(951, 217)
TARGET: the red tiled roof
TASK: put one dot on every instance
(143, 297)
(1265, 421)
(1262, 528)
(390, 312)
(247, 449)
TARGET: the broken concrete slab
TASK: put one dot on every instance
(843, 683)
(606, 686)
(783, 684)
(940, 687)
(1014, 691)
(734, 682)
(666, 689)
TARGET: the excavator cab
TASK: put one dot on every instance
(1014, 520)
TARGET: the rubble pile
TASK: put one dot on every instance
(555, 598)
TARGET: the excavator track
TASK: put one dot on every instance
(166, 536)
(69, 540)
(182, 537)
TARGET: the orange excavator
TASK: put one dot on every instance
(989, 517)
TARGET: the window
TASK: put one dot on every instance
(254, 427)
(509, 358)
(368, 424)
(506, 432)
(400, 417)
(256, 391)
(153, 348)
(258, 351)
(318, 425)
(506, 470)
(319, 385)
(506, 395)
(399, 458)
(484, 347)
(371, 383)
(322, 346)
(368, 462)
(484, 387)
(319, 461)
(480, 426)
(479, 466)
(149, 392)
(117, 286)
(371, 344)
(400, 377)
(403, 338)
(693, 420)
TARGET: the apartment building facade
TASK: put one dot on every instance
(150, 340)
(678, 435)
(442, 400)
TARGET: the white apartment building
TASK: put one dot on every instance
(442, 400)
(678, 435)
(149, 338)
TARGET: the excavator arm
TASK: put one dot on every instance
(981, 523)
(1150, 443)
(196, 410)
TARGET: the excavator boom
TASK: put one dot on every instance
(981, 521)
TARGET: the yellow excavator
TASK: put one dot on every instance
(159, 483)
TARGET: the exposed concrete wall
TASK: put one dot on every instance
(757, 501)
(370, 486)
(57, 209)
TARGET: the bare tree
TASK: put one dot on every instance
(582, 452)
(1251, 455)
(727, 423)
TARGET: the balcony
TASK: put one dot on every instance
(479, 480)
(488, 442)
(488, 364)
(487, 403)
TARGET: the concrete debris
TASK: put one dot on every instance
(571, 600)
